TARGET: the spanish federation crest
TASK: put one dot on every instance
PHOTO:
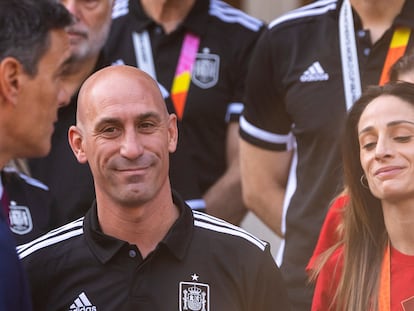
(20, 219)
(194, 296)
(206, 69)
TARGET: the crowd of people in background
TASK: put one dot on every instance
(176, 118)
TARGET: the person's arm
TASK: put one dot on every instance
(224, 198)
(264, 176)
(267, 289)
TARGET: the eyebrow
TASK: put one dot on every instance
(141, 117)
(390, 124)
(149, 115)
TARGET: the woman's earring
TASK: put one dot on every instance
(362, 179)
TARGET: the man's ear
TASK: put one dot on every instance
(172, 133)
(76, 143)
(10, 74)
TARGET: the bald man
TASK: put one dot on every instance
(140, 244)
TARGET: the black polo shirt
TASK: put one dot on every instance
(287, 106)
(203, 263)
(215, 96)
(13, 284)
(31, 206)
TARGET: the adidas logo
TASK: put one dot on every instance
(82, 303)
(315, 72)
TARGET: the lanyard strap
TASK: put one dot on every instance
(384, 300)
(186, 60)
(143, 53)
(349, 55)
(182, 77)
(397, 49)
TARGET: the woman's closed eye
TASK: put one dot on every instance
(403, 139)
(369, 145)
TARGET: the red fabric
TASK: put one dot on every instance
(327, 282)
(402, 282)
(329, 235)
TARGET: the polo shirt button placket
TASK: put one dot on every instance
(132, 253)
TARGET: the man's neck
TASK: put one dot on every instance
(168, 13)
(7, 121)
(143, 226)
(377, 15)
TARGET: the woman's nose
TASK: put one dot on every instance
(383, 148)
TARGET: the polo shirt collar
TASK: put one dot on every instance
(177, 240)
(103, 246)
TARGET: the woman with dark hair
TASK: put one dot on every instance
(372, 265)
(401, 70)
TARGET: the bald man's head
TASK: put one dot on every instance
(114, 82)
(125, 134)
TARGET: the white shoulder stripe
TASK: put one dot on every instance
(29, 180)
(316, 4)
(214, 220)
(229, 14)
(314, 9)
(50, 242)
(215, 224)
(196, 203)
(120, 8)
(52, 237)
(266, 136)
(34, 182)
(233, 109)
